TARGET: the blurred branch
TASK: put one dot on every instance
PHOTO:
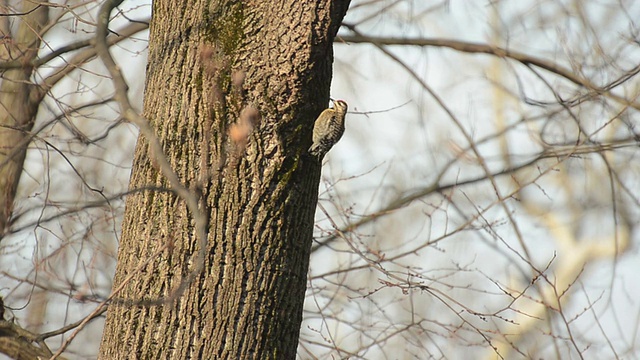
(573, 255)
(17, 112)
(122, 34)
(435, 187)
(102, 307)
(562, 153)
(18, 343)
(22, 13)
(84, 56)
(84, 207)
(474, 48)
(64, 329)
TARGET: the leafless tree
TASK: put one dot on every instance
(483, 202)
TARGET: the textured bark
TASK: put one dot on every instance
(260, 195)
(18, 103)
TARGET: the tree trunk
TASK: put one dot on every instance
(18, 103)
(232, 91)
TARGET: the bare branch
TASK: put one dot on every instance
(473, 48)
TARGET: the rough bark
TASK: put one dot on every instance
(210, 62)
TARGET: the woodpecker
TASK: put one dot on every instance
(328, 129)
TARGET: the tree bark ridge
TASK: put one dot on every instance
(261, 193)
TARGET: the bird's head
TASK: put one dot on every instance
(340, 105)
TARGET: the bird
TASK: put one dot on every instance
(328, 128)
